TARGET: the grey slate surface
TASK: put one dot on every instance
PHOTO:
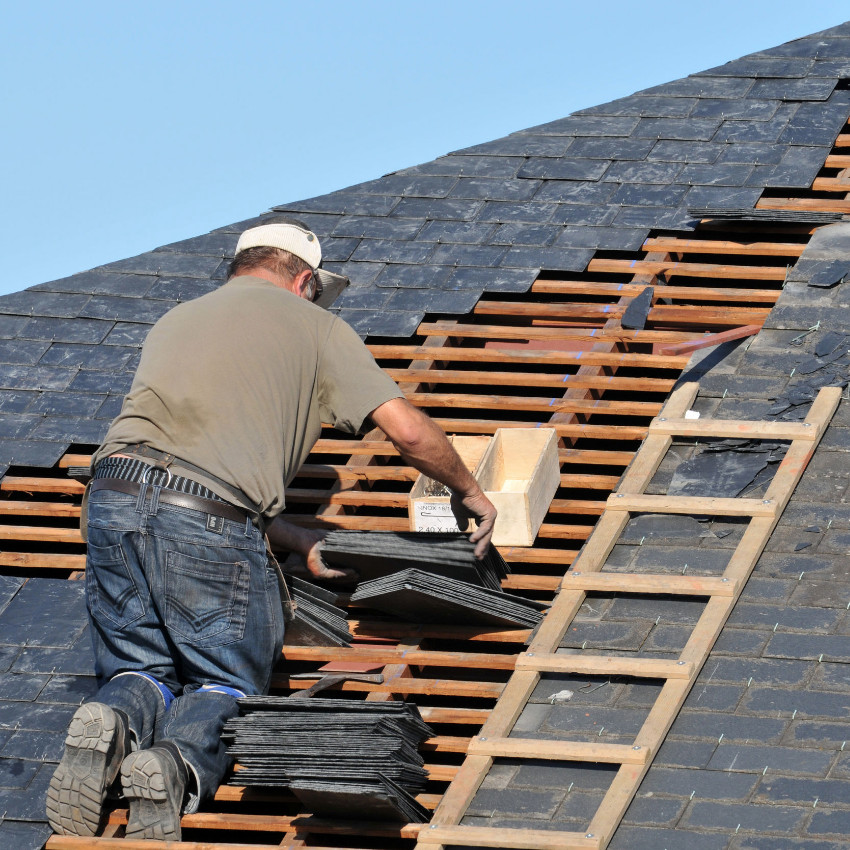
(757, 757)
(434, 237)
(46, 670)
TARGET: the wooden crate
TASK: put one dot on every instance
(518, 470)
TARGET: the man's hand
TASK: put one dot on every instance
(483, 511)
(307, 543)
(317, 566)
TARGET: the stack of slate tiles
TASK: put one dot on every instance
(341, 758)
(426, 577)
(316, 619)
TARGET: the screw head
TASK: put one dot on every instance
(635, 748)
(807, 424)
(662, 418)
(680, 662)
(589, 835)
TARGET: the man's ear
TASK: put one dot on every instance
(301, 283)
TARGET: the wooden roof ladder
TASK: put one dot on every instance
(678, 674)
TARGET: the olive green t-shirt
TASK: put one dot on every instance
(238, 383)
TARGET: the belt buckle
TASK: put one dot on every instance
(151, 468)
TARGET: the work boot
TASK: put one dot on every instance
(97, 742)
(154, 783)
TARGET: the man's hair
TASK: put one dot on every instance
(274, 259)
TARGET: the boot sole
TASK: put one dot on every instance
(149, 785)
(89, 766)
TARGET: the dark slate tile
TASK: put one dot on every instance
(360, 274)
(491, 189)
(531, 211)
(600, 214)
(661, 217)
(357, 319)
(711, 725)
(394, 324)
(525, 234)
(15, 835)
(9, 586)
(797, 703)
(390, 251)
(214, 244)
(55, 305)
(66, 404)
(87, 356)
(563, 169)
(35, 377)
(15, 426)
(520, 145)
(718, 174)
(446, 209)
(798, 167)
(721, 196)
(669, 150)
(469, 166)
(582, 193)
(30, 453)
(810, 647)
(418, 277)
(76, 660)
(838, 68)
(467, 255)
(749, 109)
(87, 381)
(611, 238)
(34, 746)
(45, 612)
(829, 823)
(643, 172)
(16, 773)
(713, 784)
(649, 195)
(110, 408)
(754, 131)
(692, 755)
(69, 430)
(21, 351)
(68, 690)
(806, 89)
(321, 224)
(747, 816)
(177, 289)
(657, 811)
(644, 105)
(704, 87)
(649, 838)
(816, 123)
(434, 301)
(38, 716)
(27, 805)
(508, 802)
(469, 232)
(585, 125)
(758, 153)
(411, 185)
(820, 44)
(98, 282)
(8, 657)
(762, 66)
(126, 309)
(11, 326)
(697, 129)
(60, 330)
(366, 298)
(557, 259)
(182, 265)
(754, 758)
(127, 333)
(340, 202)
(377, 228)
(493, 280)
(610, 148)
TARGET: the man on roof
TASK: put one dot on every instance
(226, 404)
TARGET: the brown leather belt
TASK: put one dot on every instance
(173, 497)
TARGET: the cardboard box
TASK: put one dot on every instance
(518, 470)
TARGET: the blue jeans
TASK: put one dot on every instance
(178, 602)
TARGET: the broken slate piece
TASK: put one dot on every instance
(800, 546)
(722, 475)
(663, 526)
(635, 315)
(829, 274)
(828, 343)
(813, 528)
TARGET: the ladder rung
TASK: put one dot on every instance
(734, 428)
(692, 505)
(605, 665)
(519, 839)
(535, 748)
(643, 583)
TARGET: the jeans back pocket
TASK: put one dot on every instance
(206, 602)
(112, 593)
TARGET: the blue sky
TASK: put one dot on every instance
(126, 127)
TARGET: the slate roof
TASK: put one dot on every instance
(434, 237)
